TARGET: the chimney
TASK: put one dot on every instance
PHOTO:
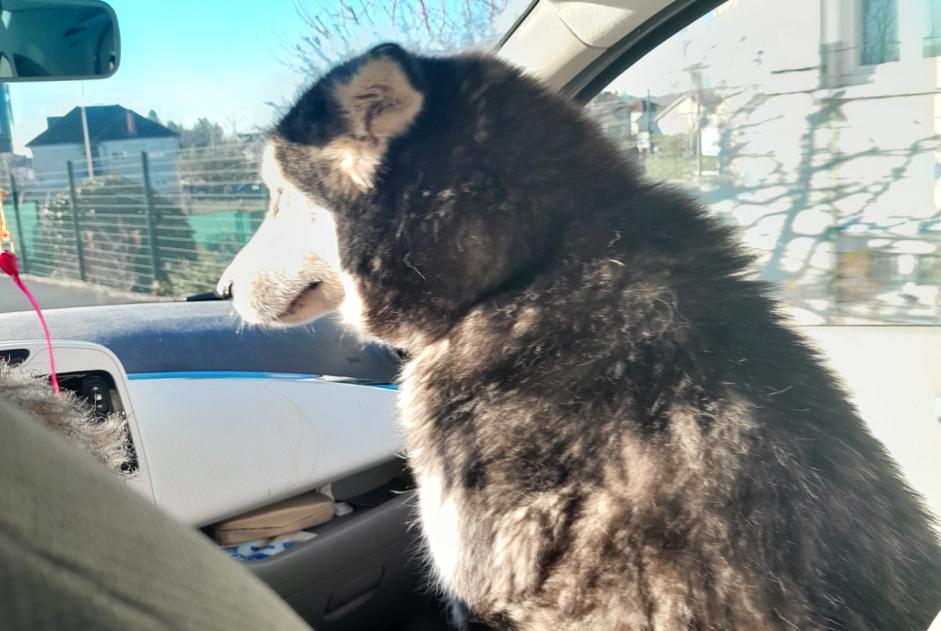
(52, 120)
(131, 123)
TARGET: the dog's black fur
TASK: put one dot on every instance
(624, 432)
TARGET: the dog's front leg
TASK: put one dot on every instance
(463, 619)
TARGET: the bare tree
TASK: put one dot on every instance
(339, 29)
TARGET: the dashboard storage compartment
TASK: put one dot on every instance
(288, 516)
(359, 572)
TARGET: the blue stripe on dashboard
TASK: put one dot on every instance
(220, 374)
(225, 374)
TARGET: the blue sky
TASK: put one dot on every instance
(222, 59)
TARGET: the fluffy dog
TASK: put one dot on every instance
(104, 438)
(610, 426)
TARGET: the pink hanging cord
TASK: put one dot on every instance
(8, 264)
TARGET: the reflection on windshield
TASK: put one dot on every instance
(814, 127)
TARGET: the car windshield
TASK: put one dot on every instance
(142, 186)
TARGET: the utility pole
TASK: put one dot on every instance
(88, 162)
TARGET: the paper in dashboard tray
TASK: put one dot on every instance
(290, 515)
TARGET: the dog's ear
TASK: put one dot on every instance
(380, 97)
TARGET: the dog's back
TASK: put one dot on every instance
(636, 442)
(609, 425)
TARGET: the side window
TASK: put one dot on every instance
(789, 122)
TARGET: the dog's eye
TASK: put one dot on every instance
(275, 201)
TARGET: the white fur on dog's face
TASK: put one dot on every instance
(296, 245)
(287, 273)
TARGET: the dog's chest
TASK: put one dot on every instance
(480, 544)
(437, 509)
(439, 513)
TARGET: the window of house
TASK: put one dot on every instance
(835, 189)
(880, 43)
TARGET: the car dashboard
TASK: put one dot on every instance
(271, 412)
(228, 421)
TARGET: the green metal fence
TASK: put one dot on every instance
(158, 223)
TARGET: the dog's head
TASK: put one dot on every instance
(286, 274)
(424, 171)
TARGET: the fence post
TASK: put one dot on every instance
(73, 204)
(151, 219)
(240, 225)
(21, 252)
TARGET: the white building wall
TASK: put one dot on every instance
(822, 159)
(49, 164)
(123, 157)
(116, 157)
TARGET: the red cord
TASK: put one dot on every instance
(8, 264)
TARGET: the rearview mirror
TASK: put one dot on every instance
(55, 40)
